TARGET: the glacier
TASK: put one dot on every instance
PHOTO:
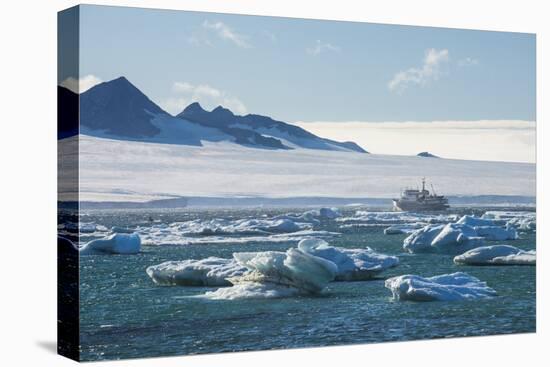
(497, 255)
(448, 287)
(223, 169)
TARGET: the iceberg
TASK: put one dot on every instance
(329, 213)
(391, 218)
(447, 287)
(118, 243)
(521, 220)
(241, 226)
(306, 217)
(472, 221)
(456, 238)
(496, 255)
(212, 271)
(352, 264)
(277, 274)
(421, 240)
(492, 233)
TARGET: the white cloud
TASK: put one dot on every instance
(226, 33)
(429, 71)
(468, 61)
(208, 96)
(321, 47)
(492, 140)
(81, 85)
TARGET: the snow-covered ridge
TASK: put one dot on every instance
(118, 110)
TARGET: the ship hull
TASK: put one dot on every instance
(404, 206)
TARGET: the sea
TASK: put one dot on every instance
(124, 314)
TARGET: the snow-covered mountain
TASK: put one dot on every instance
(118, 110)
(256, 128)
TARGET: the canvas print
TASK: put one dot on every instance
(235, 182)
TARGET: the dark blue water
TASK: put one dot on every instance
(125, 315)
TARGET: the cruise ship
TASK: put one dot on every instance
(415, 200)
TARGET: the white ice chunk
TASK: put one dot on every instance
(277, 274)
(472, 221)
(456, 238)
(306, 217)
(212, 271)
(118, 243)
(242, 226)
(293, 268)
(421, 240)
(353, 264)
(452, 238)
(492, 233)
(329, 213)
(521, 220)
(447, 287)
(497, 255)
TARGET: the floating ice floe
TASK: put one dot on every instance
(172, 236)
(521, 220)
(497, 255)
(277, 274)
(118, 243)
(306, 217)
(212, 271)
(491, 233)
(472, 221)
(329, 213)
(312, 216)
(91, 228)
(455, 238)
(389, 218)
(447, 287)
(352, 264)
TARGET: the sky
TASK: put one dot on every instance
(350, 80)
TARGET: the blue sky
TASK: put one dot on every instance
(311, 70)
(340, 80)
